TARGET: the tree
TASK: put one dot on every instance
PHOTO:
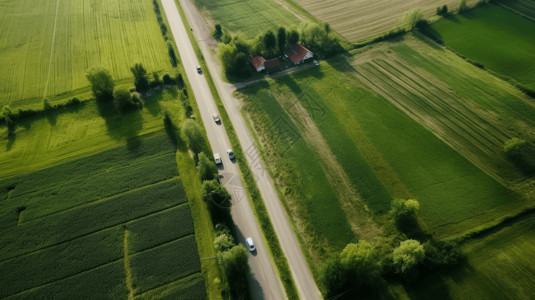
(140, 78)
(207, 168)
(412, 17)
(101, 83)
(462, 6)
(404, 213)
(357, 267)
(270, 42)
(156, 81)
(9, 119)
(218, 32)
(224, 242)
(235, 268)
(281, 40)
(439, 253)
(407, 256)
(217, 199)
(180, 81)
(293, 36)
(193, 132)
(122, 100)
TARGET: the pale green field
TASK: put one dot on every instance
(44, 55)
(63, 135)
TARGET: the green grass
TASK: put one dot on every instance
(306, 190)
(400, 151)
(507, 39)
(497, 266)
(61, 135)
(251, 17)
(146, 218)
(113, 34)
(522, 7)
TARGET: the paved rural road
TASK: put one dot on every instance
(264, 282)
(306, 285)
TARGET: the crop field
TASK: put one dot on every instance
(383, 152)
(47, 46)
(473, 111)
(525, 8)
(310, 198)
(47, 139)
(498, 266)
(512, 56)
(111, 225)
(250, 17)
(361, 19)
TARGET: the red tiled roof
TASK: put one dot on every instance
(297, 52)
(272, 63)
(257, 61)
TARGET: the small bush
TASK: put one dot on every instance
(411, 18)
(74, 101)
(180, 81)
(404, 213)
(172, 55)
(207, 168)
(123, 100)
(218, 32)
(462, 6)
(167, 80)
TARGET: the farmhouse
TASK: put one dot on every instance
(258, 63)
(272, 65)
(298, 53)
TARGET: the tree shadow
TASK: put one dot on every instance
(121, 126)
(11, 137)
(152, 103)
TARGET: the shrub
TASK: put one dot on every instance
(46, 105)
(235, 268)
(462, 6)
(218, 32)
(172, 55)
(411, 18)
(101, 82)
(207, 168)
(224, 242)
(217, 200)
(122, 100)
(156, 81)
(439, 253)
(167, 80)
(140, 78)
(407, 257)
(404, 213)
(74, 101)
(180, 81)
(193, 132)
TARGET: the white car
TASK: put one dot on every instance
(316, 63)
(230, 154)
(250, 244)
(199, 70)
(217, 158)
(216, 118)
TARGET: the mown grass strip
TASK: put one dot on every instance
(277, 255)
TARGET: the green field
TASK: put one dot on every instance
(118, 220)
(525, 8)
(497, 266)
(507, 39)
(47, 46)
(47, 139)
(251, 17)
(385, 153)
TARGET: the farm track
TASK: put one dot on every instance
(350, 200)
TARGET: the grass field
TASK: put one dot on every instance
(384, 152)
(525, 8)
(498, 266)
(94, 221)
(473, 111)
(360, 20)
(507, 38)
(45, 140)
(47, 46)
(311, 200)
(251, 17)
